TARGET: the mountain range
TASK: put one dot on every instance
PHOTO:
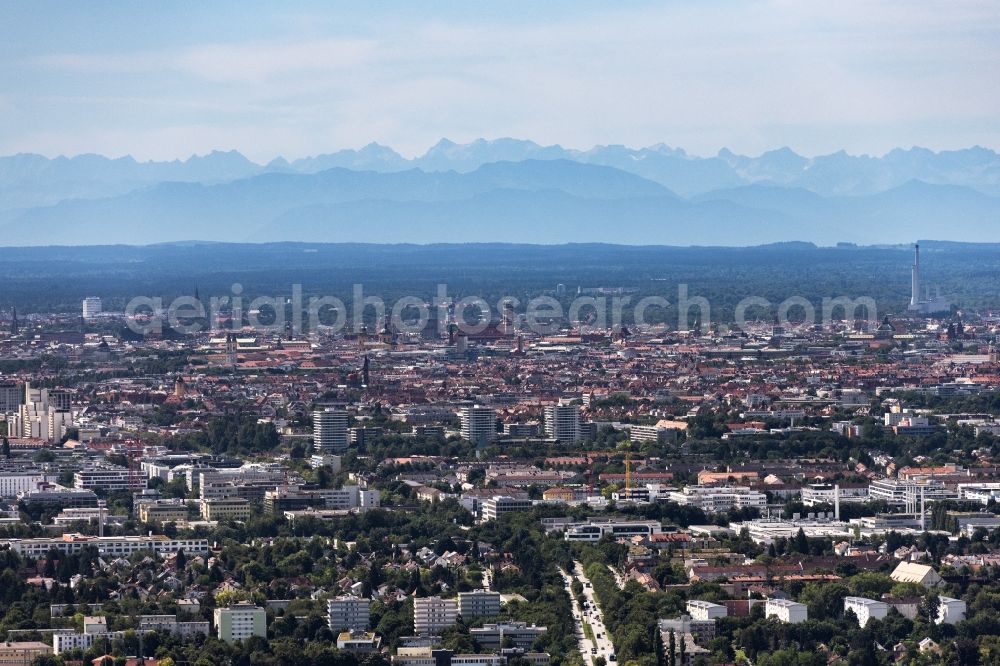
(505, 190)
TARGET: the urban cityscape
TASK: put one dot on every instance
(500, 403)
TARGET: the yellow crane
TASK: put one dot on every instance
(628, 474)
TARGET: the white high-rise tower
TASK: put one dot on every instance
(915, 279)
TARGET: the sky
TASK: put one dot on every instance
(161, 80)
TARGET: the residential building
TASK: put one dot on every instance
(91, 308)
(330, 430)
(786, 610)
(950, 611)
(479, 424)
(705, 610)
(239, 622)
(562, 422)
(432, 614)
(702, 630)
(22, 653)
(348, 613)
(479, 603)
(866, 609)
(11, 398)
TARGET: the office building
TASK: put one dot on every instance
(348, 613)
(239, 622)
(107, 478)
(330, 430)
(562, 422)
(14, 481)
(517, 634)
(432, 614)
(226, 508)
(718, 499)
(494, 507)
(426, 656)
(479, 424)
(479, 603)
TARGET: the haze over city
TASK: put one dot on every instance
(563, 333)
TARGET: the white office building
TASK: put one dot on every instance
(91, 308)
(330, 430)
(479, 424)
(13, 482)
(494, 507)
(108, 477)
(718, 499)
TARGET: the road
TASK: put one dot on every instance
(601, 645)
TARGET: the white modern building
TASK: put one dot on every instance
(866, 609)
(786, 610)
(950, 611)
(519, 634)
(44, 414)
(91, 308)
(116, 546)
(562, 422)
(479, 603)
(330, 430)
(14, 482)
(479, 424)
(718, 499)
(494, 507)
(593, 530)
(239, 622)
(705, 610)
(432, 614)
(348, 613)
(108, 477)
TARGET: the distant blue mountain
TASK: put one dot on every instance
(506, 190)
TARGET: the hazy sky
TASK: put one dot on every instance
(168, 79)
